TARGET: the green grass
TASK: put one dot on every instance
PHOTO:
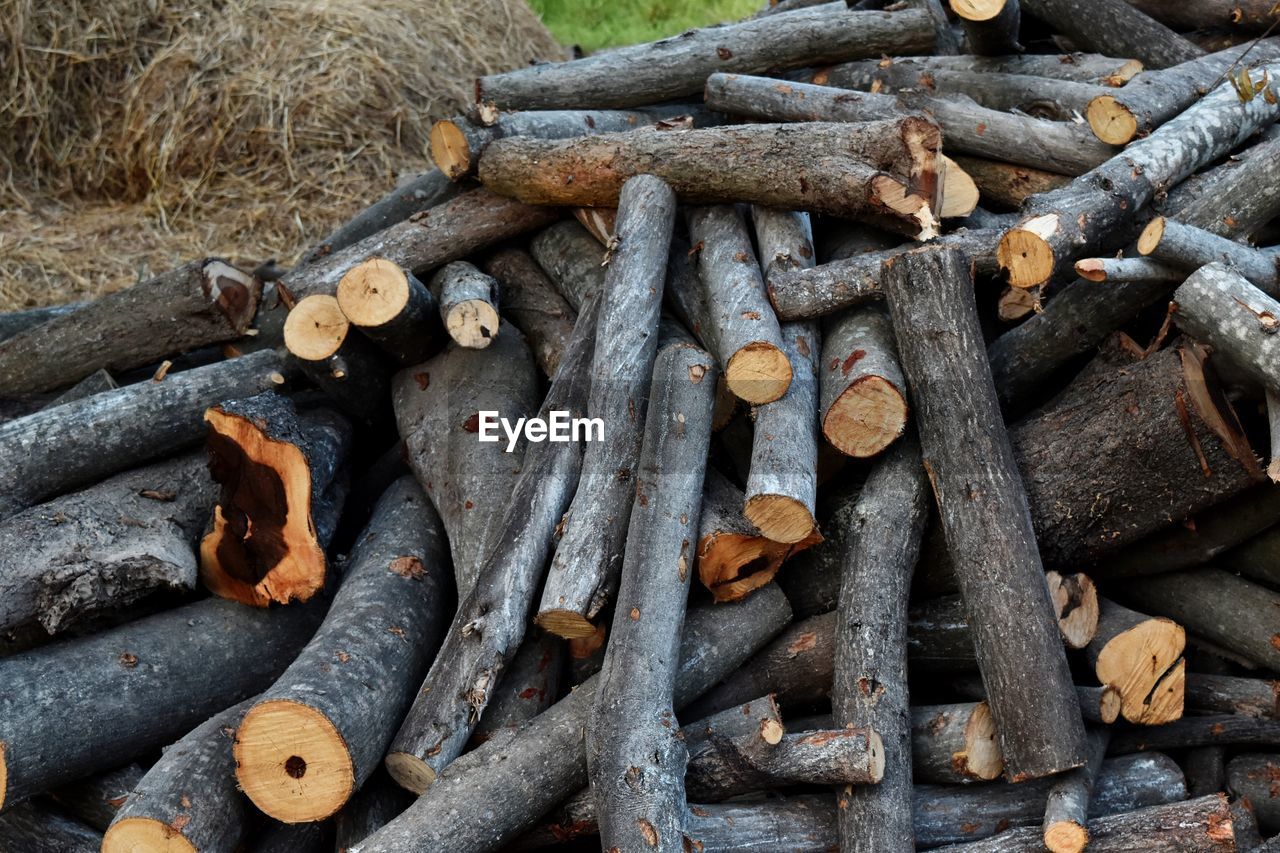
(593, 24)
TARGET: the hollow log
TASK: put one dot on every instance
(38, 828)
(984, 513)
(990, 26)
(1114, 28)
(572, 258)
(57, 450)
(437, 406)
(188, 800)
(202, 302)
(268, 535)
(468, 304)
(95, 800)
(344, 364)
(1221, 308)
(490, 623)
(135, 688)
(585, 569)
(532, 304)
(670, 68)
(392, 308)
(863, 394)
(886, 171)
(1066, 812)
(1186, 247)
(1141, 657)
(316, 736)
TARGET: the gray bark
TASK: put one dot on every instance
(1128, 271)
(95, 800)
(1252, 777)
(94, 383)
(572, 258)
(529, 686)
(1194, 731)
(955, 743)
(531, 303)
(732, 766)
(863, 394)
(992, 36)
(1066, 812)
(1220, 307)
(37, 828)
(1226, 694)
(374, 806)
(393, 309)
(1115, 28)
(468, 304)
(1188, 248)
(14, 322)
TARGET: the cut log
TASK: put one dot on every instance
(573, 260)
(1006, 184)
(737, 317)
(635, 761)
(1098, 704)
(599, 222)
(883, 170)
(56, 450)
(1194, 731)
(95, 800)
(1252, 777)
(1141, 657)
(549, 753)
(1226, 694)
(344, 364)
(1186, 247)
(1115, 28)
(585, 570)
(1085, 215)
(533, 305)
(15, 322)
(391, 308)
(275, 466)
(670, 68)
(1242, 616)
(374, 806)
(199, 303)
(416, 195)
(1221, 308)
(1075, 604)
(427, 239)
(37, 828)
(438, 406)
(102, 550)
(863, 395)
(530, 685)
(87, 705)
(731, 766)
(1128, 271)
(312, 739)
(188, 800)
(955, 743)
(733, 559)
(1066, 812)
(1078, 67)
(1152, 98)
(984, 513)
(990, 26)
(489, 626)
(468, 304)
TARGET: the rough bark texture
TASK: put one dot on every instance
(1226, 694)
(1247, 15)
(572, 258)
(14, 322)
(374, 806)
(738, 765)
(955, 743)
(1128, 271)
(1212, 730)
(991, 29)
(316, 736)
(984, 513)
(530, 685)
(1141, 657)
(881, 170)
(106, 548)
(1114, 28)
(37, 828)
(491, 618)
(53, 451)
(190, 792)
(584, 572)
(1253, 777)
(391, 308)
(468, 304)
(95, 800)
(1007, 185)
(863, 403)
(199, 303)
(1079, 67)
(1066, 812)
(94, 383)
(79, 707)
(475, 807)
(438, 407)
(532, 304)
(670, 68)
(1220, 307)
(869, 685)
(1189, 248)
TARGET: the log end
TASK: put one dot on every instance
(866, 418)
(732, 565)
(780, 517)
(1165, 704)
(960, 193)
(982, 757)
(772, 730)
(758, 373)
(145, 833)
(875, 750)
(372, 293)
(1109, 705)
(978, 10)
(1151, 236)
(234, 292)
(1144, 663)
(315, 328)
(1111, 121)
(1024, 253)
(1075, 604)
(1065, 836)
(1092, 269)
(566, 623)
(410, 772)
(450, 149)
(1014, 303)
(292, 762)
(906, 207)
(472, 323)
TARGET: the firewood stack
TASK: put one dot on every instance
(851, 427)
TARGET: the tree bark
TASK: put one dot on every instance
(83, 706)
(1205, 769)
(1141, 657)
(475, 807)
(1218, 306)
(573, 260)
(869, 682)
(1114, 28)
(585, 570)
(983, 507)
(342, 363)
(199, 303)
(56, 450)
(990, 26)
(671, 68)
(393, 309)
(468, 304)
(189, 793)
(37, 828)
(531, 302)
(275, 466)
(94, 383)
(490, 623)
(955, 743)
(1128, 271)
(887, 171)
(95, 800)
(1226, 694)
(1194, 731)
(863, 400)
(446, 232)
(1256, 558)
(1066, 812)
(1186, 247)
(530, 685)
(313, 738)
(1252, 777)
(374, 806)
(16, 322)
(438, 407)
(732, 766)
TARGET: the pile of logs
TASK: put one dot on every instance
(855, 427)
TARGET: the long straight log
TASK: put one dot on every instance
(1077, 67)
(585, 570)
(1127, 271)
(662, 70)
(190, 792)
(572, 258)
(1226, 694)
(1194, 731)
(38, 828)
(56, 450)
(82, 706)
(1220, 307)
(1189, 248)
(392, 308)
(314, 737)
(16, 322)
(1115, 28)
(984, 513)
(531, 302)
(473, 805)
(199, 303)
(490, 623)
